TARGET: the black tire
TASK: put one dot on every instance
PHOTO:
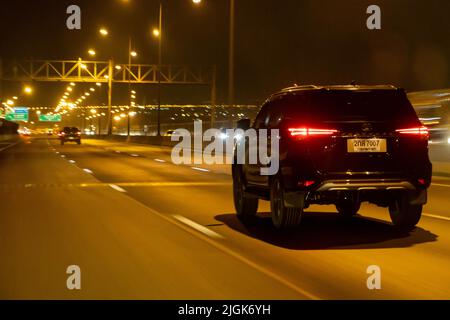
(403, 214)
(348, 209)
(62, 142)
(282, 217)
(246, 207)
(78, 142)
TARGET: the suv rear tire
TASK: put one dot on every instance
(246, 207)
(283, 217)
(403, 214)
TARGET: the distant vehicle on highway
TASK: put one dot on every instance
(70, 134)
(169, 133)
(172, 133)
(340, 145)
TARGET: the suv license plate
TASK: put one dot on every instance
(366, 145)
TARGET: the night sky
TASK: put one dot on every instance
(278, 43)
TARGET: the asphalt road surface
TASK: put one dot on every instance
(140, 227)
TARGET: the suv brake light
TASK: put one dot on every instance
(306, 132)
(420, 131)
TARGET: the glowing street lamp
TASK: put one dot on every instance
(28, 90)
(103, 32)
(133, 54)
(92, 52)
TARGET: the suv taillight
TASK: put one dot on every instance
(419, 131)
(306, 132)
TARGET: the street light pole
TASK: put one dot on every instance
(110, 76)
(231, 62)
(159, 66)
(129, 84)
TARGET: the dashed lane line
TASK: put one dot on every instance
(198, 227)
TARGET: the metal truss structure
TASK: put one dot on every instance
(80, 71)
(100, 71)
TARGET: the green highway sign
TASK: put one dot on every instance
(17, 114)
(50, 118)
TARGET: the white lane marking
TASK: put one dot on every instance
(159, 160)
(436, 216)
(198, 227)
(72, 161)
(57, 152)
(441, 185)
(134, 155)
(117, 188)
(63, 156)
(117, 151)
(9, 146)
(200, 169)
(88, 171)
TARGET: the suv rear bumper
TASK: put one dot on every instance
(364, 185)
(379, 191)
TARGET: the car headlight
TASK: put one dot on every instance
(223, 136)
(448, 140)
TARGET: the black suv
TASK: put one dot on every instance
(70, 135)
(340, 145)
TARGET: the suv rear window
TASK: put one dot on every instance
(377, 106)
(71, 130)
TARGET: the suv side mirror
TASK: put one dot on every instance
(244, 124)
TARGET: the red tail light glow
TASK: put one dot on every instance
(305, 132)
(421, 131)
(422, 181)
(306, 184)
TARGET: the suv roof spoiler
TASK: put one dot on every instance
(312, 87)
(340, 87)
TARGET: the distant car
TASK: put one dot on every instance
(172, 133)
(70, 135)
(338, 145)
(169, 133)
(25, 132)
(224, 133)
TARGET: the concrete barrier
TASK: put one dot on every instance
(440, 157)
(8, 137)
